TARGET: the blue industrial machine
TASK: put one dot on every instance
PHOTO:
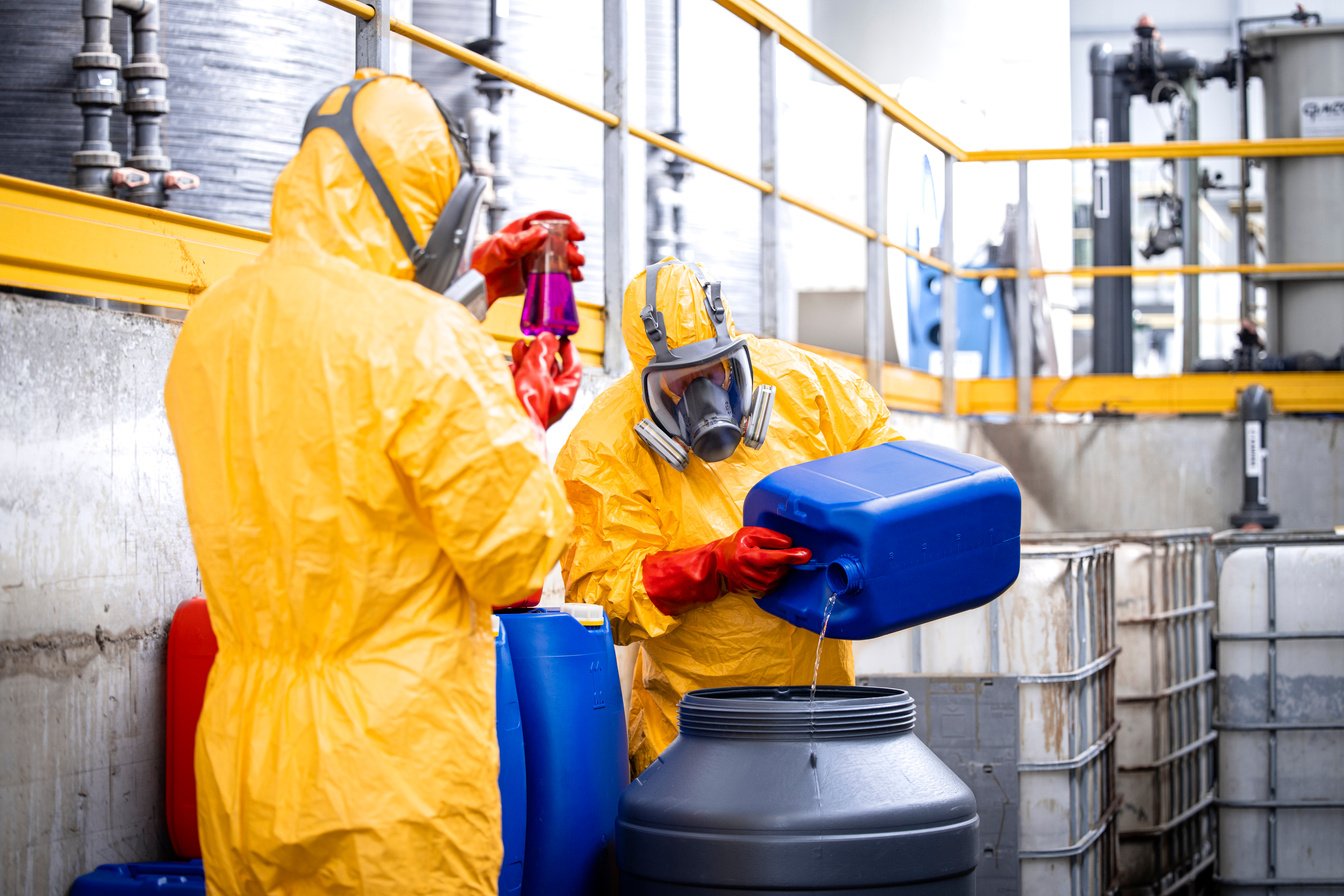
(982, 324)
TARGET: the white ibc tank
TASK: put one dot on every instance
(1054, 631)
(1280, 642)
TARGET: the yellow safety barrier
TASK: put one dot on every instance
(903, 388)
(1196, 393)
(825, 61)
(65, 241)
(678, 149)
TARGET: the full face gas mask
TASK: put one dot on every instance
(699, 396)
(445, 257)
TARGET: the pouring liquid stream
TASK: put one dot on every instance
(812, 694)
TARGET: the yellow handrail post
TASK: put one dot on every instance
(1023, 354)
(947, 325)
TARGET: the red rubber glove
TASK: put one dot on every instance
(566, 373)
(499, 257)
(525, 604)
(752, 559)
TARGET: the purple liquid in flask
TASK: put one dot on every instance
(548, 306)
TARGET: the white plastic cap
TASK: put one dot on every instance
(588, 615)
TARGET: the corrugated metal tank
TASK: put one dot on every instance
(1302, 194)
(242, 76)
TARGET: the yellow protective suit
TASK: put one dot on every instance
(629, 504)
(362, 485)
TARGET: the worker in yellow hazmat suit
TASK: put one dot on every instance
(362, 484)
(662, 549)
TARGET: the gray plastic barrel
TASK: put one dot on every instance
(760, 794)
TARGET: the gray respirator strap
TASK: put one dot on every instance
(656, 330)
(342, 121)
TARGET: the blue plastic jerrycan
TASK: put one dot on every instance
(901, 533)
(569, 697)
(512, 766)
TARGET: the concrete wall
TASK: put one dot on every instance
(94, 555)
(1137, 473)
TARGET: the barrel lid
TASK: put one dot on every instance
(791, 713)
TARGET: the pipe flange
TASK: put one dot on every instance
(150, 163)
(142, 105)
(155, 71)
(98, 60)
(97, 158)
(97, 96)
(94, 180)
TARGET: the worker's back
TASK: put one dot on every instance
(362, 485)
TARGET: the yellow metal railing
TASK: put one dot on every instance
(839, 71)
(790, 37)
(143, 255)
(844, 74)
(1177, 149)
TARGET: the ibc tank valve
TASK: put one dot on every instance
(1254, 405)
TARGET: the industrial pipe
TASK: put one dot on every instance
(146, 98)
(666, 207)
(98, 167)
(96, 67)
(487, 127)
(1254, 405)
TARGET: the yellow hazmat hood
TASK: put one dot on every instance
(323, 202)
(682, 302)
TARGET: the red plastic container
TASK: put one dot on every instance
(191, 652)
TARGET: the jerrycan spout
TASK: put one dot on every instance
(844, 576)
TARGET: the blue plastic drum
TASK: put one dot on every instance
(512, 766)
(164, 878)
(574, 737)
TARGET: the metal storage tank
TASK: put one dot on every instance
(241, 77)
(1019, 700)
(1304, 97)
(1280, 711)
